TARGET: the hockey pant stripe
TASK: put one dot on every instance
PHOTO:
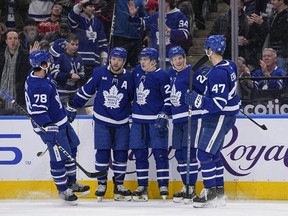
(58, 173)
(208, 168)
(181, 157)
(142, 166)
(162, 166)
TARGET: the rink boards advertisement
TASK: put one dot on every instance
(253, 158)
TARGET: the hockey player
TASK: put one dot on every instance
(45, 108)
(220, 104)
(151, 107)
(92, 39)
(112, 107)
(68, 70)
(180, 74)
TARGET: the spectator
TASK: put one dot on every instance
(151, 6)
(62, 32)
(52, 23)
(104, 11)
(3, 29)
(68, 70)
(67, 6)
(40, 10)
(29, 34)
(14, 13)
(278, 31)
(92, 39)
(126, 34)
(14, 68)
(176, 26)
(269, 69)
(222, 26)
(245, 85)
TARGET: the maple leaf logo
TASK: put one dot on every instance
(112, 98)
(142, 94)
(175, 97)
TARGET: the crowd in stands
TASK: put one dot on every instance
(99, 25)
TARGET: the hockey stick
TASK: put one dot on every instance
(113, 23)
(89, 174)
(263, 126)
(39, 154)
(198, 64)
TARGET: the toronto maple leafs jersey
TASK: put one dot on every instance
(113, 99)
(220, 97)
(269, 84)
(152, 94)
(43, 102)
(61, 72)
(175, 20)
(92, 38)
(180, 86)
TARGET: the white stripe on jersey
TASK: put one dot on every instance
(215, 134)
(144, 117)
(109, 120)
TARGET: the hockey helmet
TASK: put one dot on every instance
(177, 50)
(37, 57)
(152, 53)
(217, 43)
(119, 52)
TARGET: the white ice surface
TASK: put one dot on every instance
(89, 207)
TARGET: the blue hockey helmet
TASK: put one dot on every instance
(152, 53)
(119, 52)
(217, 43)
(37, 57)
(177, 50)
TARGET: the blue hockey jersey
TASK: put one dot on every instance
(113, 99)
(269, 84)
(221, 96)
(92, 38)
(175, 20)
(43, 102)
(152, 95)
(180, 86)
(61, 72)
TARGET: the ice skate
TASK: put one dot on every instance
(68, 196)
(207, 198)
(221, 197)
(100, 191)
(140, 194)
(79, 189)
(164, 192)
(121, 193)
(188, 198)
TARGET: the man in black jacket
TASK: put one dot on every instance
(14, 68)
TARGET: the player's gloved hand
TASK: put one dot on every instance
(194, 99)
(71, 111)
(161, 123)
(50, 135)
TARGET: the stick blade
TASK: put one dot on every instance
(264, 127)
(97, 174)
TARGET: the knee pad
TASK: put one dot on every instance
(141, 154)
(160, 154)
(120, 156)
(204, 157)
(103, 156)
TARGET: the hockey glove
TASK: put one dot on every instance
(71, 112)
(161, 123)
(51, 133)
(194, 99)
